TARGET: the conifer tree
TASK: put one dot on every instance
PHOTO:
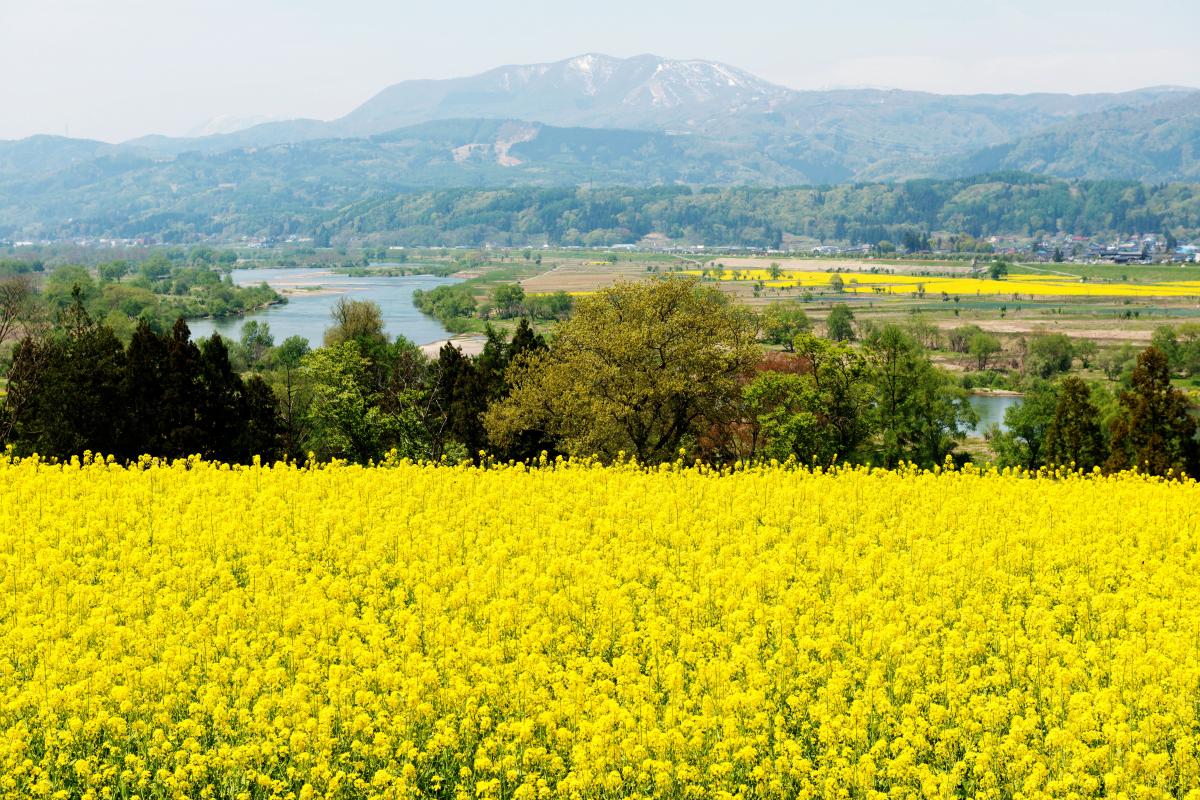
(1155, 431)
(1074, 436)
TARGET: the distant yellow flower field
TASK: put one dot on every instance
(1032, 285)
(576, 631)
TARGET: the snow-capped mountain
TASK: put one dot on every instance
(865, 133)
(590, 90)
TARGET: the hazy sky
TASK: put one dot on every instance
(115, 69)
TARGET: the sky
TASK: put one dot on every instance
(118, 69)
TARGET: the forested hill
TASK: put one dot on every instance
(591, 121)
(1010, 203)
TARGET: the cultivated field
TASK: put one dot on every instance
(1107, 303)
(411, 631)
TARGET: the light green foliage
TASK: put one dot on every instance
(982, 346)
(445, 302)
(1181, 345)
(1117, 361)
(839, 325)
(1026, 423)
(781, 322)
(1049, 354)
(920, 410)
(959, 339)
(355, 320)
(256, 342)
(784, 411)
(642, 368)
(345, 418)
(554, 306)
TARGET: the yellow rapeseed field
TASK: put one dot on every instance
(1021, 284)
(200, 631)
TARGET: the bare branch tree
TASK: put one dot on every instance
(16, 296)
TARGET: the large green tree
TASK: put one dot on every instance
(920, 411)
(839, 325)
(641, 368)
(817, 416)
(1074, 437)
(1155, 431)
(781, 322)
(1021, 443)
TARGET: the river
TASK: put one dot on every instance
(306, 313)
(991, 408)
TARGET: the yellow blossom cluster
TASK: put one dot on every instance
(1026, 284)
(193, 630)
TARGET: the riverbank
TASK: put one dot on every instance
(471, 345)
(312, 294)
(986, 392)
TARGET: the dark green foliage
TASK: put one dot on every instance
(1022, 443)
(467, 386)
(70, 390)
(147, 375)
(870, 213)
(462, 398)
(839, 325)
(81, 390)
(509, 299)
(1154, 431)
(920, 411)
(1049, 354)
(1074, 437)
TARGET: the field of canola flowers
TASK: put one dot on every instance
(1033, 285)
(200, 631)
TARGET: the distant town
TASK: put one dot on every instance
(1056, 248)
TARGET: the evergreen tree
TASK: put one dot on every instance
(1155, 431)
(1074, 436)
(219, 410)
(262, 427)
(524, 340)
(492, 364)
(460, 400)
(181, 428)
(74, 400)
(527, 444)
(146, 379)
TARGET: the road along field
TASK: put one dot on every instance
(409, 631)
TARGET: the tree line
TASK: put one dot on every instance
(1150, 426)
(905, 212)
(78, 389)
(655, 371)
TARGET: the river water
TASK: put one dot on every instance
(991, 408)
(306, 313)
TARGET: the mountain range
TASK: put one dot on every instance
(598, 120)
